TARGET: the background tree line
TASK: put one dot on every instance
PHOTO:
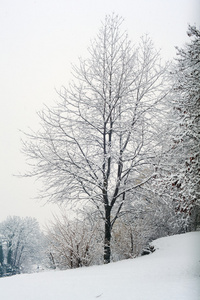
(21, 246)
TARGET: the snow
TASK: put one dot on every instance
(172, 272)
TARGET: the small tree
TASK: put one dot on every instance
(98, 139)
(73, 243)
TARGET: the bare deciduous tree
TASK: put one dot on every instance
(73, 243)
(100, 137)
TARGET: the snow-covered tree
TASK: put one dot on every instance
(101, 135)
(1, 259)
(185, 154)
(21, 240)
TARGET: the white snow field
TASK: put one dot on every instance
(172, 272)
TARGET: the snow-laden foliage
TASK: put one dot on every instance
(95, 144)
(178, 175)
(143, 222)
(20, 245)
(185, 154)
(187, 107)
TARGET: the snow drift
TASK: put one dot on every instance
(171, 272)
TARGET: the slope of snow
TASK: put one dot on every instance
(172, 272)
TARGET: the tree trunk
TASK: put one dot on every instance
(107, 239)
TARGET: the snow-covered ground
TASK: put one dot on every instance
(172, 272)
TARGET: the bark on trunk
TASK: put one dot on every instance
(107, 250)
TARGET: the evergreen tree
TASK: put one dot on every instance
(186, 103)
(1, 254)
(1, 260)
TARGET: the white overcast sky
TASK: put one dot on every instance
(39, 39)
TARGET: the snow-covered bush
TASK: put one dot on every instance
(73, 243)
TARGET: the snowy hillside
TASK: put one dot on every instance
(172, 272)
